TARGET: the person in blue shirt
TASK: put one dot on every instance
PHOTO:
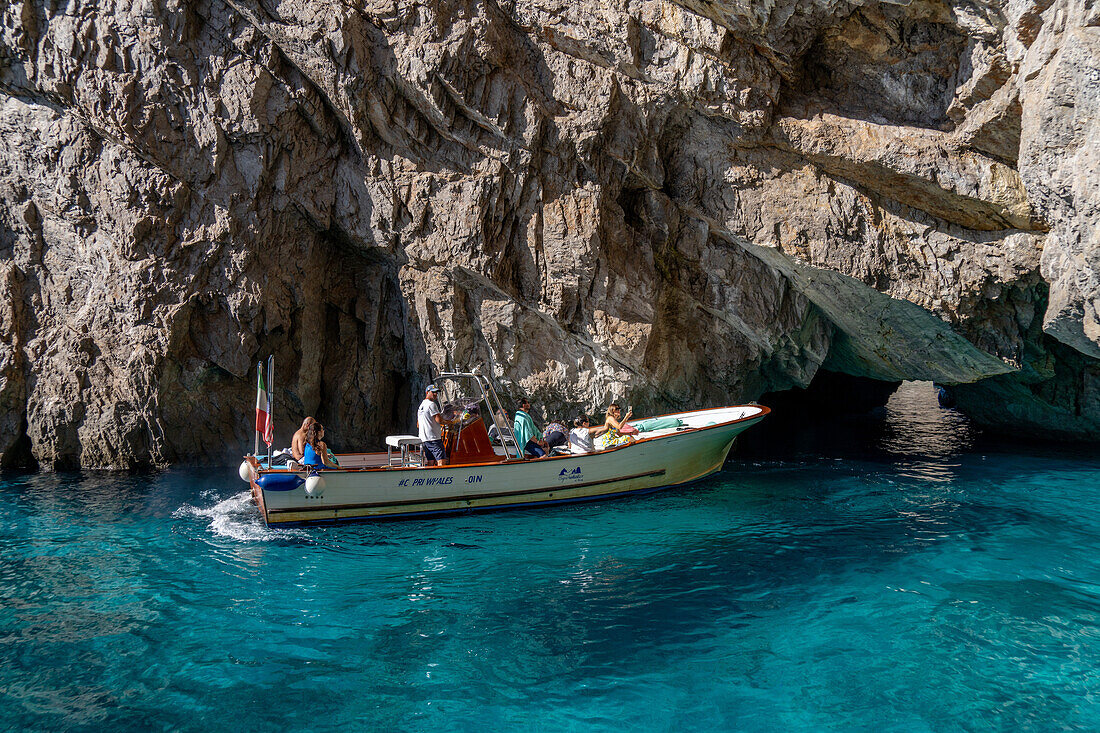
(316, 454)
(527, 433)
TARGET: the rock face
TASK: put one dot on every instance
(669, 202)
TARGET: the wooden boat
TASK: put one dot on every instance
(483, 476)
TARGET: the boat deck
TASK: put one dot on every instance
(690, 420)
(362, 460)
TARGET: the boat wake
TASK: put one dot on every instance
(236, 518)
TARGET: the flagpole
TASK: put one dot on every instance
(256, 449)
(270, 404)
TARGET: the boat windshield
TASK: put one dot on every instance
(467, 395)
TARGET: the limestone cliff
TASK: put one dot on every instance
(689, 202)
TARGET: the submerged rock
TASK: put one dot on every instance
(668, 202)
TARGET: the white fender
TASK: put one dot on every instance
(315, 486)
(245, 471)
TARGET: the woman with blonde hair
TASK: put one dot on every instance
(613, 425)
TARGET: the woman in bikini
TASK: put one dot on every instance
(315, 454)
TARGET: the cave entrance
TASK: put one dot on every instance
(842, 416)
(20, 454)
(836, 413)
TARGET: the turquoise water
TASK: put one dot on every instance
(922, 584)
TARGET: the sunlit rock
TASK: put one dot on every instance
(692, 202)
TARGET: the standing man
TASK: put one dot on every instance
(528, 436)
(430, 422)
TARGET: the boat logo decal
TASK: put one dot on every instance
(567, 475)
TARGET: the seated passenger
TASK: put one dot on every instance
(298, 442)
(528, 436)
(580, 437)
(331, 462)
(613, 424)
(495, 433)
(316, 454)
(556, 435)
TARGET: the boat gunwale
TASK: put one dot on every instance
(475, 497)
(508, 461)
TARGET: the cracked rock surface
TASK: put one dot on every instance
(674, 203)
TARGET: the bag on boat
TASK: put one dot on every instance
(628, 429)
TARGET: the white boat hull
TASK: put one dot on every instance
(667, 458)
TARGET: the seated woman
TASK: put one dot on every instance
(581, 437)
(316, 454)
(556, 434)
(612, 425)
(331, 457)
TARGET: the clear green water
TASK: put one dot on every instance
(925, 586)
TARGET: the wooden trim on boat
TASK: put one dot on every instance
(470, 497)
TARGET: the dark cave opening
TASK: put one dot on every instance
(840, 417)
(836, 413)
(20, 456)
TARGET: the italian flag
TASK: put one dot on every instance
(264, 424)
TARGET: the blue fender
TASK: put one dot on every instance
(280, 481)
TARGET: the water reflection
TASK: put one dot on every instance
(910, 426)
(915, 425)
